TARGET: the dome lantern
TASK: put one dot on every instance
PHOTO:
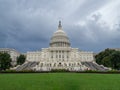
(59, 26)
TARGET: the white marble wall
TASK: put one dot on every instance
(60, 58)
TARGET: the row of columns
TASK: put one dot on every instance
(60, 54)
(60, 44)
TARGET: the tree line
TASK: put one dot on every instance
(109, 58)
(5, 61)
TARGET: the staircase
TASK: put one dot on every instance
(26, 66)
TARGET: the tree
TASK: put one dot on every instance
(21, 59)
(115, 59)
(109, 58)
(106, 61)
(5, 61)
(99, 57)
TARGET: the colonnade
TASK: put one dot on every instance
(60, 44)
(60, 55)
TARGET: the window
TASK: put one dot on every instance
(52, 56)
(69, 64)
(62, 56)
(67, 57)
(41, 64)
(59, 56)
(50, 64)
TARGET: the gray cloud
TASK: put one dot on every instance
(28, 25)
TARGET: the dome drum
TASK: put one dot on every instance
(60, 44)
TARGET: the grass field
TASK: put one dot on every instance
(59, 81)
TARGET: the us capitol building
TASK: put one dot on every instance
(60, 55)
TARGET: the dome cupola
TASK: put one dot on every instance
(59, 38)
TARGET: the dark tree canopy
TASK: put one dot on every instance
(5, 61)
(21, 59)
(109, 58)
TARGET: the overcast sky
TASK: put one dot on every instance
(91, 25)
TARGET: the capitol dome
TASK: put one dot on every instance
(59, 38)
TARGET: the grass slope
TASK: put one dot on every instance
(59, 81)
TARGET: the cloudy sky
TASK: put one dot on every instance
(27, 25)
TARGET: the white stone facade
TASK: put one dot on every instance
(13, 54)
(60, 55)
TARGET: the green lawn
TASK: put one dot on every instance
(59, 81)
